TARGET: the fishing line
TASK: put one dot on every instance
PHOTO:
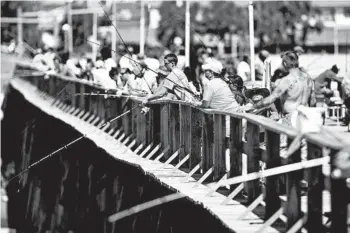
(121, 38)
(71, 143)
(184, 88)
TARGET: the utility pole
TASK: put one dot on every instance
(70, 29)
(187, 34)
(252, 40)
(142, 29)
(114, 32)
(19, 29)
(94, 35)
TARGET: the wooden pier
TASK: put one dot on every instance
(184, 148)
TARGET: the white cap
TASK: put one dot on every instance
(213, 65)
(125, 63)
(99, 64)
(152, 63)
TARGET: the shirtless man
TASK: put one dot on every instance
(295, 89)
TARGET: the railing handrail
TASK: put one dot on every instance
(315, 138)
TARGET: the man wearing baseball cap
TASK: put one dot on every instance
(217, 94)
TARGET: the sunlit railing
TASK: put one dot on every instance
(193, 139)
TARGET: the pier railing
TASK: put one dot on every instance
(194, 140)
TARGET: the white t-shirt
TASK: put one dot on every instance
(174, 81)
(219, 95)
(101, 77)
(148, 81)
(181, 62)
(109, 63)
(242, 69)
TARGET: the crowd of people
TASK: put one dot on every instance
(210, 85)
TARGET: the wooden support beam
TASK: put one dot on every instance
(196, 134)
(219, 146)
(272, 185)
(293, 208)
(208, 141)
(253, 187)
(235, 147)
(315, 181)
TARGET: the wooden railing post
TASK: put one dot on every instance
(185, 130)
(140, 121)
(135, 118)
(339, 200)
(52, 86)
(236, 147)
(175, 129)
(293, 208)
(219, 146)
(127, 118)
(208, 141)
(81, 96)
(253, 134)
(165, 125)
(74, 97)
(273, 160)
(196, 134)
(149, 126)
(315, 188)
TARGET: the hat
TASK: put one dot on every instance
(335, 68)
(213, 65)
(99, 64)
(124, 63)
(264, 53)
(152, 63)
(298, 49)
(250, 93)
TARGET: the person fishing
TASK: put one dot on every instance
(323, 82)
(175, 85)
(294, 89)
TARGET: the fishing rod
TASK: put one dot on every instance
(177, 85)
(121, 38)
(137, 62)
(346, 53)
(71, 143)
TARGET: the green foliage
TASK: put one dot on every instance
(277, 21)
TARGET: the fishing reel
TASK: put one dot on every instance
(145, 110)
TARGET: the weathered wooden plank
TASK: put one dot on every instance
(293, 206)
(272, 199)
(196, 134)
(235, 147)
(185, 131)
(81, 97)
(253, 187)
(315, 181)
(166, 126)
(339, 201)
(175, 129)
(208, 141)
(126, 118)
(219, 147)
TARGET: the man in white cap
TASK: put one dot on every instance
(148, 82)
(217, 94)
(126, 78)
(101, 76)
